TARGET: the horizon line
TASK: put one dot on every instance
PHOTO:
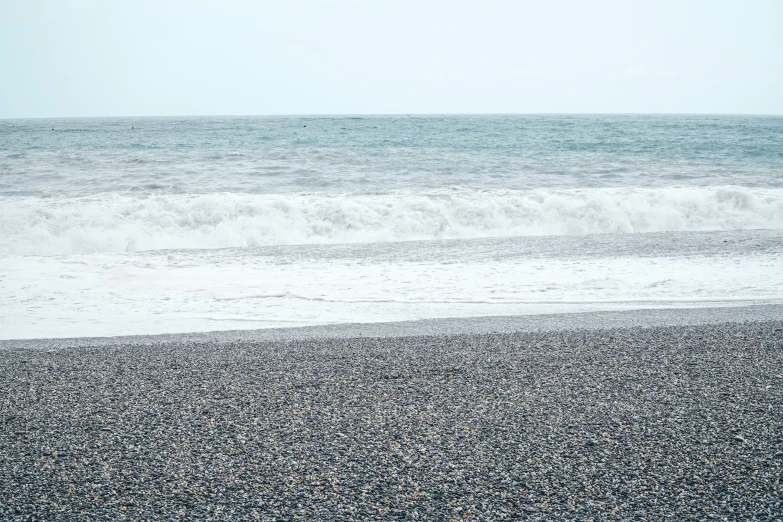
(395, 114)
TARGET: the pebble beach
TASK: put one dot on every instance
(631, 423)
(370, 262)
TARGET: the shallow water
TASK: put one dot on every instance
(141, 226)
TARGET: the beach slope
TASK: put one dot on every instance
(620, 423)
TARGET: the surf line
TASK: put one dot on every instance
(714, 299)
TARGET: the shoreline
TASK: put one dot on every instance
(646, 317)
(642, 421)
(168, 291)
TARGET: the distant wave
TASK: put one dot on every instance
(118, 223)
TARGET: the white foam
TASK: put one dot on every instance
(145, 293)
(121, 223)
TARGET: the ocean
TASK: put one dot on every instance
(125, 226)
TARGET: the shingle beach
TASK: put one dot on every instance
(635, 423)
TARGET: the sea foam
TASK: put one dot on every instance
(119, 223)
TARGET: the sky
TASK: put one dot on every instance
(84, 58)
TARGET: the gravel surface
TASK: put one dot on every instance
(677, 422)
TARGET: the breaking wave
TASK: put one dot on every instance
(118, 223)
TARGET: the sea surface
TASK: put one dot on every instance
(124, 226)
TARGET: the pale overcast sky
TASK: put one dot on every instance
(138, 58)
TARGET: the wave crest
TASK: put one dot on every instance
(118, 223)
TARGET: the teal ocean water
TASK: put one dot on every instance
(384, 154)
(270, 221)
